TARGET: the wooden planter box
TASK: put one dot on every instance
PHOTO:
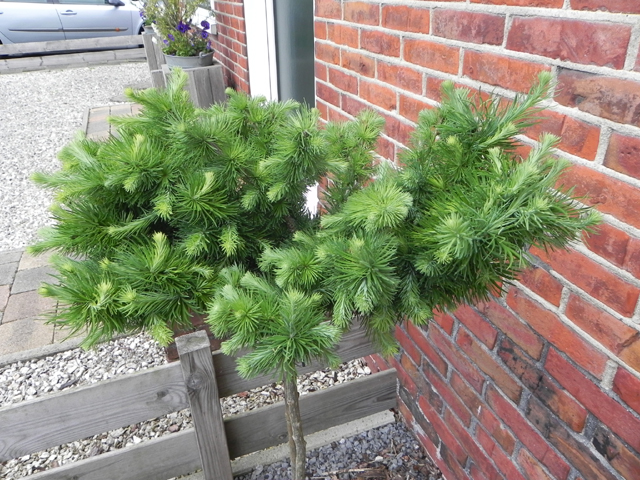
(205, 84)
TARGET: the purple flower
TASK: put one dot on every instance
(205, 25)
(141, 14)
(204, 34)
(166, 42)
(171, 37)
(182, 27)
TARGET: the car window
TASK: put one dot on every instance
(84, 2)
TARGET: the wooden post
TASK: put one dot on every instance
(200, 379)
(149, 50)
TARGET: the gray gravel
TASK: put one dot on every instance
(39, 113)
(389, 452)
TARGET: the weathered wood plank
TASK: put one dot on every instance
(266, 427)
(76, 44)
(199, 87)
(69, 415)
(354, 344)
(158, 459)
(176, 454)
(200, 378)
(157, 79)
(216, 79)
(157, 47)
(149, 50)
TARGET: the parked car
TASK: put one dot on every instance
(44, 20)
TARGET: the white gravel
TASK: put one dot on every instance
(39, 113)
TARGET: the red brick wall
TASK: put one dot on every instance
(543, 383)
(230, 44)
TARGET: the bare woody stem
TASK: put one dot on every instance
(297, 443)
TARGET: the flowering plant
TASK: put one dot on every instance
(187, 39)
(173, 22)
(145, 18)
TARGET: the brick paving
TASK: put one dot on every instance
(22, 326)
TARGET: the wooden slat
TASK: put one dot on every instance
(157, 79)
(176, 454)
(69, 415)
(158, 459)
(266, 427)
(149, 50)
(200, 378)
(199, 87)
(216, 80)
(354, 344)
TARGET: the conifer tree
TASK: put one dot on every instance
(186, 209)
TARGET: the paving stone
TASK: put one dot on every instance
(62, 334)
(31, 279)
(10, 256)
(4, 296)
(29, 261)
(27, 305)
(8, 273)
(25, 334)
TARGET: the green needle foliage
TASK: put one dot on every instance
(146, 220)
(448, 227)
(284, 328)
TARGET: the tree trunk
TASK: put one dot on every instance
(297, 443)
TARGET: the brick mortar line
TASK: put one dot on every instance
(610, 371)
(373, 106)
(599, 16)
(603, 145)
(416, 96)
(496, 50)
(632, 49)
(573, 327)
(234, 63)
(233, 41)
(503, 92)
(508, 22)
(230, 15)
(619, 272)
(634, 182)
(552, 105)
(476, 84)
